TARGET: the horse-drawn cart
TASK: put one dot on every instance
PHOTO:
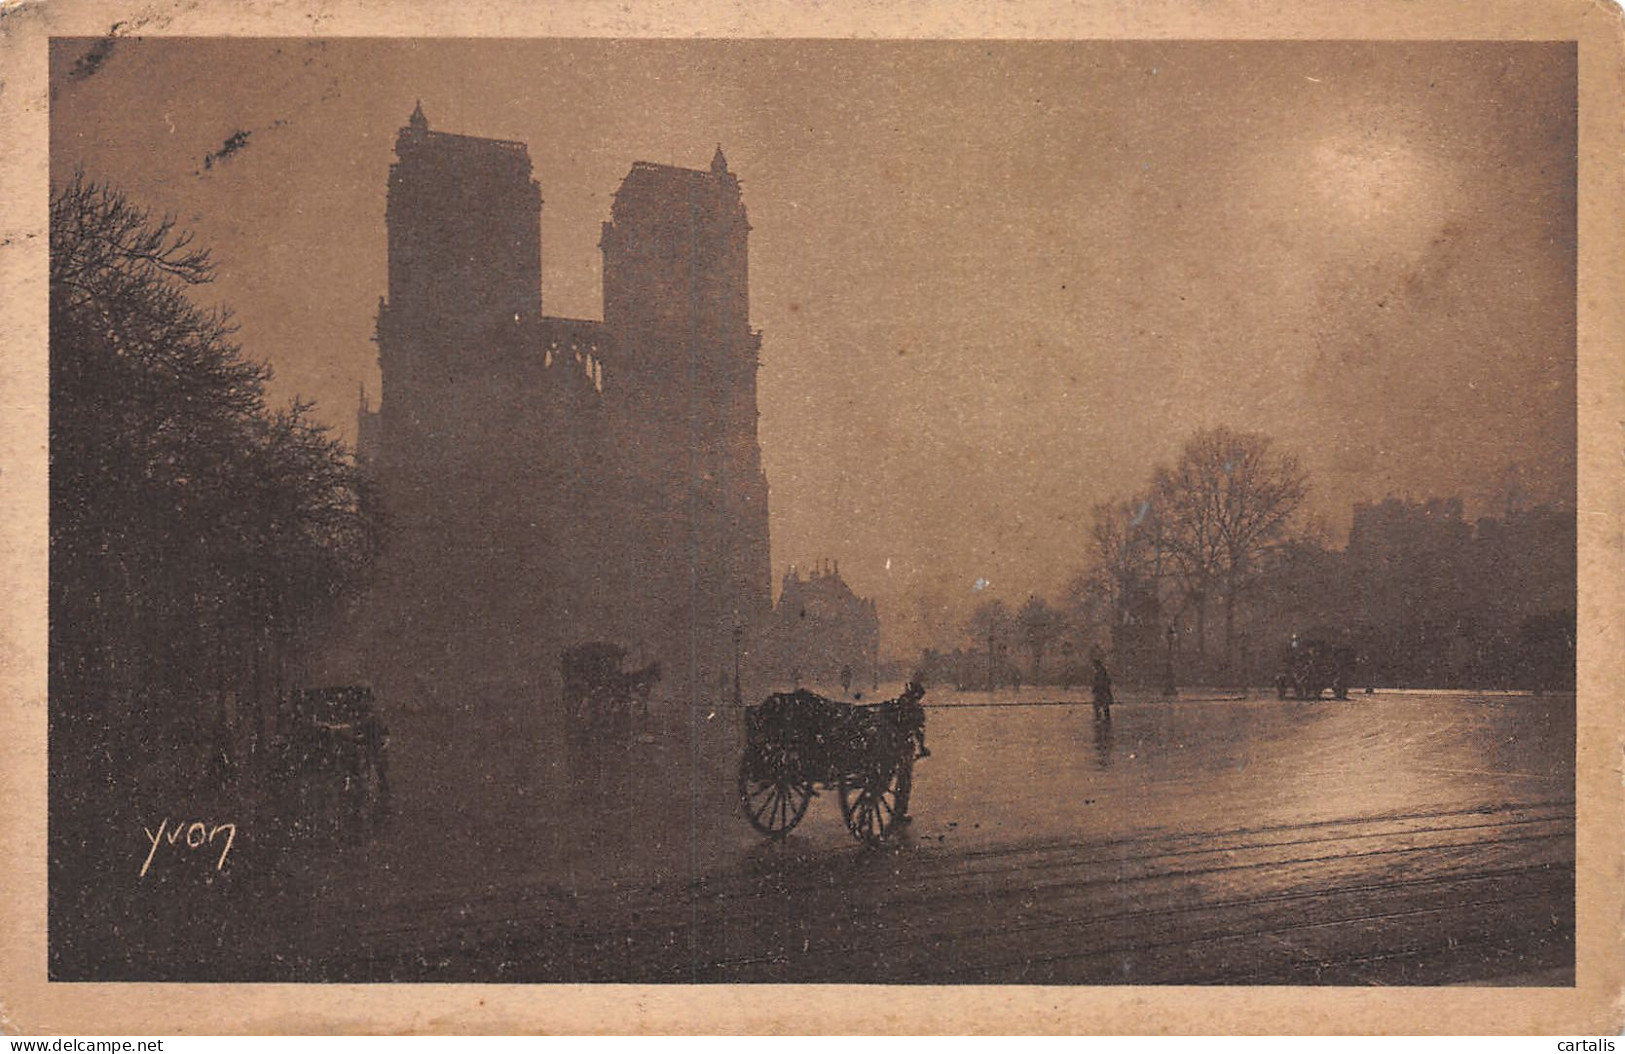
(1312, 664)
(795, 741)
(600, 697)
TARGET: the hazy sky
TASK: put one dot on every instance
(998, 282)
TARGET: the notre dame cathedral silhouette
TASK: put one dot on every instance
(545, 481)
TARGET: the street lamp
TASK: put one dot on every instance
(1169, 688)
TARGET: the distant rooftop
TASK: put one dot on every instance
(505, 144)
(658, 167)
(419, 125)
(719, 166)
(651, 181)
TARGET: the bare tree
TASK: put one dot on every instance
(109, 253)
(1228, 501)
(936, 620)
(1126, 548)
(991, 625)
(196, 535)
(1087, 614)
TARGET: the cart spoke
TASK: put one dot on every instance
(781, 805)
(780, 812)
(764, 811)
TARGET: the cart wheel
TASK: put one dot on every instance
(772, 805)
(874, 808)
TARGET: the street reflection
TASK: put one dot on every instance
(1103, 743)
(660, 808)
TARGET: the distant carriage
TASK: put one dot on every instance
(1312, 664)
(600, 695)
(333, 761)
(797, 740)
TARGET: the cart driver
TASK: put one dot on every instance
(1102, 692)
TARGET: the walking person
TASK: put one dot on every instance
(1102, 692)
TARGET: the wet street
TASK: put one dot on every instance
(1400, 838)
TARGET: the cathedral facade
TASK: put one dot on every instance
(548, 482)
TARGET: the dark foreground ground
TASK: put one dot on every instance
(1427, 898)
(1401, 838)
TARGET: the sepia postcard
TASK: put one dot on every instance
(840, 519)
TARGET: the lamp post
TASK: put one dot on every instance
(1169, 688)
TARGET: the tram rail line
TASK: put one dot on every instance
(853, 867)
(1079, 916)
(871, 913)
(1477, 906)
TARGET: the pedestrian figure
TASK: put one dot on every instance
(846, 679)
(912, 694)
(1102, 692)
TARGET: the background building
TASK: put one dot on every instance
(823, 634)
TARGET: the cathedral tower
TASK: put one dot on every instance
(676, 296)
(464, 302)
(465, 242)
(475, 441)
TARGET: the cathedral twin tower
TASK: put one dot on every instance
(548, 482)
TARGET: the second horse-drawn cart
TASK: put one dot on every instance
(797, 741)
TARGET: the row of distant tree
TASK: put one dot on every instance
(1429, 598)
(200, 541)
(199, 537)
(1206, 574)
